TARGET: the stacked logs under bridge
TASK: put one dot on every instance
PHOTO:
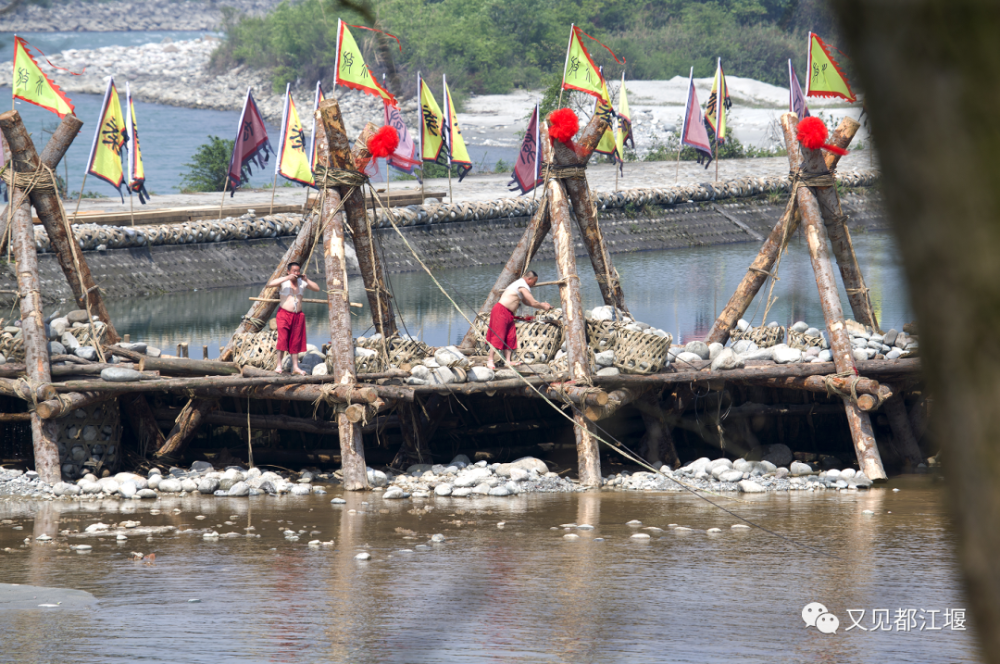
(356, 419)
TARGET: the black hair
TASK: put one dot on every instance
(530, 273)
(295, 264)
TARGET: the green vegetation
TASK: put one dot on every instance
(493, 46)
(209, 166)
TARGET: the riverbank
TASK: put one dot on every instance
(127, 15)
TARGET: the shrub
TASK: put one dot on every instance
(209, 166)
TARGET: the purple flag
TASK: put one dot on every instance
(405, 158)
(251, 146)
(693, 132)
(796, 100)
(528, 169)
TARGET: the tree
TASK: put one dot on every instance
(209, 166)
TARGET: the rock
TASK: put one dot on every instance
(239, 489)
(451, 356)
(726, 359)
(443, 489)
(320, 370)
(744, 346)
(77, 316)
(797, 469)
(119, 375)
(688, 358)
(69, 341)
(890, 337)
(437, 538)
(640, 536)
(86, 352)
(825, 356)
(364, 555)
(480, 374)
(55, 348)
(201, 467)
(443, 376)
(714, 349)
(377, 478)
(742, 325)
(169, 485)
(498, 491)
(418, 469)
(189, 485)
(109, 485)
(759, 354)
(800, 327)
(461, 458)
(208, 485)
(778, 454)
(605, 358)
(699, 348)
(153, 352)
(531, 463)
(518, 474)
(860, 354)
(146, 493)
(58, 327)
(299, 490)
(462, 492)
(749, 486)
(394, 493)
(894, 354)
(784, 355)
(848, 473)
(608, 371)
(731, 476)
(135, 347)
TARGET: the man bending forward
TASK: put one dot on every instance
(502, 335)
(291, 318)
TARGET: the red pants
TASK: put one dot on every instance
(502, 334)
(291, 331)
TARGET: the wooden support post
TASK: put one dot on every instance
(585, 209)
(575, 329)
(36, 353)
(50, 212)
(140, 416)
(902, 432)
(762, 264)
(659, 441)
(352, 453)
(811, 161)
(185, 427)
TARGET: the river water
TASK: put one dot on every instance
(680, 291)
(521, 593)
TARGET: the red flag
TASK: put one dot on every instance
(693, 132)
(528, 169)
(251, 145)
(405, 158)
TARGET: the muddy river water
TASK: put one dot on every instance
(518, 593)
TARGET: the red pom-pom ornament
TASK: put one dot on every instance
(384, 142)
(812, 134)
(563, 125)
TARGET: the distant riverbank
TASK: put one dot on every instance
(135, 16)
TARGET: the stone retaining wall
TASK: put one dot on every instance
(240, 252)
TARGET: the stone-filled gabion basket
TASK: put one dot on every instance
(538, 341)
(764, 337)
(639, 352)
(601, 335)
(803, 341)
(11, 347)
(89, 440)
(256, 349)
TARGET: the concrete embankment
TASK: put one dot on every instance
(237, 252)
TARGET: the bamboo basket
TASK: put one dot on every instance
(764, 337)
(537, 341)
(601, 335)
(82, 334)
(803, 341)
(89, 439)
(256, 349)
(640, 352)
(12, 348)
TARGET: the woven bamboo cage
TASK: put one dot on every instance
(403, 351)
(639, 352)
(803, 341)
(83, 335)
(12, 348)
(89, 439)
(764, 337)
(537, 341)
(256, 349)
(601, 335)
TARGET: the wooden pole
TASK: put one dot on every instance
(575, 328)
(761, 267)
(44, 434)
(225, 188)
(240, 421)
(51, 213)
(185, 427)
(352, 453)
(902, 432)
(811, 161)
(143, 421)
(274, 187)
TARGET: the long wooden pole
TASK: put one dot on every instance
(811, 161)
(575, 326)
(352, 453)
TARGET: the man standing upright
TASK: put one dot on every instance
(502, 335)
(291, 318)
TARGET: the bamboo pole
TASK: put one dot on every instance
(811, 161)
(51, 214)
(352, 453)
(575, 328)
(761, 267)
(36, 354)
(241, 421)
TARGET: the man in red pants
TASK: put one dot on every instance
(291, 318)
(502, 335)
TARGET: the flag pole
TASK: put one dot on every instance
(225, 187)
(420, 112)
(447, 113)
(274, 186)
(677, 177)
(569, 45)
(131, 210)
(78, 198)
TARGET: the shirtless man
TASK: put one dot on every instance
(291, 318)
(502, 335)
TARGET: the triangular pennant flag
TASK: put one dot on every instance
(316, 137)
(404, 158)
(452, 133)
(579, 72)
(106, 153)
(718, 103)
(607, 143)
(528, 168)
(350, 67)
(432, 146)
(136, 171)
(251, 145)
(796, 100)
(624, 119)
(293, 161)
(825, 77)
(693, 132)
(32, 85)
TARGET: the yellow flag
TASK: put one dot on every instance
(106, 152)
(33, 86)
(431, 140)
(457, 153)
(293, 161)
(825, 78)
(579, 72)
(136, 171)
(607, 142)
(718, 103)
(352, 72)
(624, 133)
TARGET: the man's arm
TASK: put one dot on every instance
(532, 302)
(278, 281)
(310, 284)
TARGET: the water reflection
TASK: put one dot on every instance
(680, 290)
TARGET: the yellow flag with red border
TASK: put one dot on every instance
(293, 160)
(33, 86)
(106, 153)
(825, 79)
(431, 140)
(580, 73)
(352, 72)
(452, 133)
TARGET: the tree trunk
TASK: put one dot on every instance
(186, 427)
